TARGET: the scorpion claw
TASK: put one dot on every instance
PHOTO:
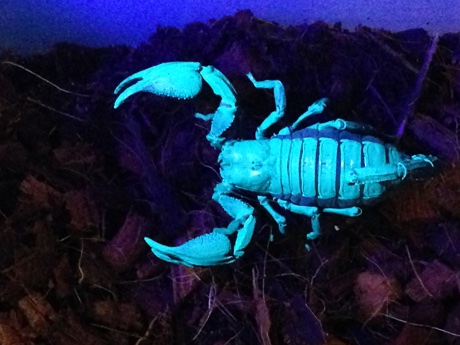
(184, 80)
(206, 250)
(173, 79)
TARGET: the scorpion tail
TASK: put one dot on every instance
(172, 79)
(416, 166)
(421, 166)
(206, 250)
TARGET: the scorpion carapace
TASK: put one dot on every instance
(331, 167)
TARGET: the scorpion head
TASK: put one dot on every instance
(246, 165)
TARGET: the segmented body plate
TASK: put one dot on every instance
(313, 167)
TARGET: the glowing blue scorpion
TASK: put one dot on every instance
(330, 167)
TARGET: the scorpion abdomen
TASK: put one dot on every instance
(314, 167)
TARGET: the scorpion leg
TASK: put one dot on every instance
(214, 248)
(351, 126)
(309, 211)
(342, 125)
(279, 219)
(280, 103)
(349, 211)
(314, 109)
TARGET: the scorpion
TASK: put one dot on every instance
(331, 167)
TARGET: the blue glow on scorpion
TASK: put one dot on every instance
(330, 167)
